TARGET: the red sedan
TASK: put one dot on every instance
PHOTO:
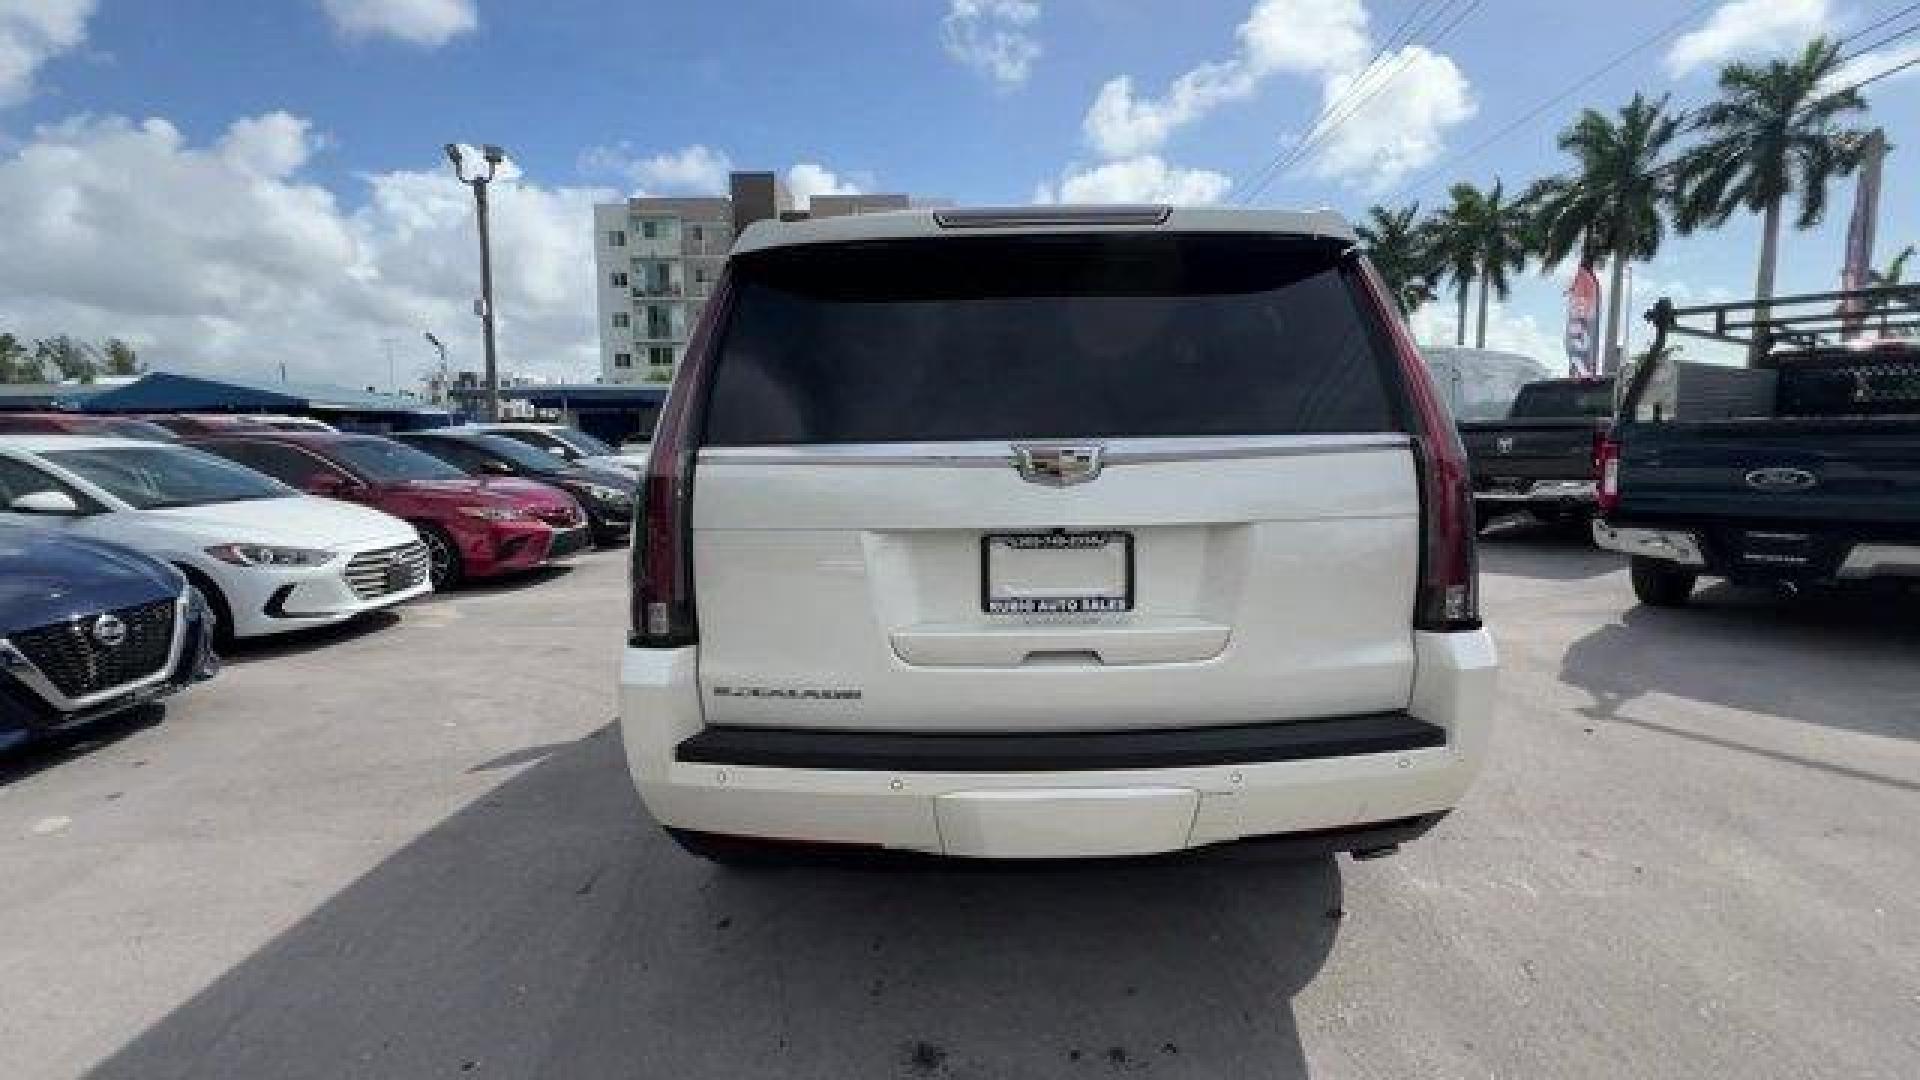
(473, 526)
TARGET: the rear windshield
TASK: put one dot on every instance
(1569, 399)
(384, 461)
(1045, 337)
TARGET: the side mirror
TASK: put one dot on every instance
(51, 503)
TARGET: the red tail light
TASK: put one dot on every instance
(1606, 474)
(662, 581)
(1447, 598)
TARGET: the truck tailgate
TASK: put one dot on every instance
(1833, 471)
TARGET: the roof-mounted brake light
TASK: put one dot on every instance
(1016, 217)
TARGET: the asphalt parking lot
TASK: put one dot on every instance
(411, 850)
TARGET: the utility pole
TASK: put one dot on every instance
(393, 382)
(484, 306)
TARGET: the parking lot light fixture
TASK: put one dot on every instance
(493, 155)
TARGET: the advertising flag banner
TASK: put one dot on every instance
(1583, 332)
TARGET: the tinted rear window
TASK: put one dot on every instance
(1569, 399)
(1045, 337)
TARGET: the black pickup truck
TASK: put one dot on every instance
(1800, 469)
(1540, 457)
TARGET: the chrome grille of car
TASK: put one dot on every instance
(373, 574)
(78, 662)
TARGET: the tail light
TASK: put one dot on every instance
(1447, 598)
(662, 580)
(1606, 474)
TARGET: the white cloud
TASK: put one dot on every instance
(1868, 65)
(428, 23)
(31, 33)
(694, 170)
(1381, 119)
(225, 258)
(1738, 28)
(994, 38)
(1308, 37)
(1396, 123)
(1507, 330)
(810, 178)
(1142, 179)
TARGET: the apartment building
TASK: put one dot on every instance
(656, 261)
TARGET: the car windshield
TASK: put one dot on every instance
(384, 461)
(160, 477)
(522, 456)
(139, 429)
(583, 442)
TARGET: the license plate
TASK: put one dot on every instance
(1056, 572)
(1778, 548)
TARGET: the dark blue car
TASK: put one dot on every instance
(90, 629)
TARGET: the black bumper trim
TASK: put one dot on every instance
(1240, 744)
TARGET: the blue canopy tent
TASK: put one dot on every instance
(357, 410)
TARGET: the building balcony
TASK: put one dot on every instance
(643, 292)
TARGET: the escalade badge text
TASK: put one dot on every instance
(801, 693)
(1057, 466)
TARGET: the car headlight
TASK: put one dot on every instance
(609, 496)
(269, 555)
(492, 513)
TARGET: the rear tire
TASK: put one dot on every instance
(444, 566)
(1658, 583)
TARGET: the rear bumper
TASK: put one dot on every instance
(1670, 545)
(1841, 559)
(1557, 494)
(959, 807)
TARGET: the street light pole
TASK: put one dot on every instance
(493, 155)
(446, 386)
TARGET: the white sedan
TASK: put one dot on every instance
(268, 558)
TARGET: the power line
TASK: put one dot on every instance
(1305, 149)
(1331, 121)
(1877, 24)
(1894, 70)
(1393, 41)
(1537, 111)
(1888, 40)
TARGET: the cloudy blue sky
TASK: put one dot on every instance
(236, 183)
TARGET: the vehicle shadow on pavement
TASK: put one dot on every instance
(505, 583)
(551, 930)
(1764, 653)
(1551, 551)
(297, 642)
(21, 761)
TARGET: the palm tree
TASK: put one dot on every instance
(1400, 246)
(1482, 236)
(1775, 131)
(1456, 248)
(1613, 205)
